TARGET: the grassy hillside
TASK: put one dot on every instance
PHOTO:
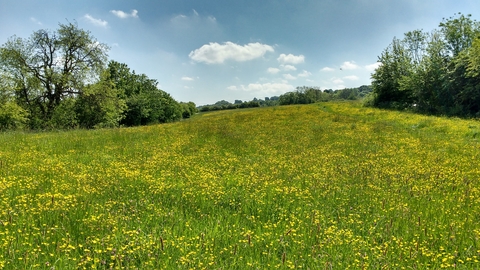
(321, 186)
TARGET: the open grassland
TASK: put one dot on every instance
(322, 186)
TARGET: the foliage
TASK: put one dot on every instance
(474, 59)
(59, 78)
(327, 185)
(100, 104)
(146, 104)
(307, 95)
(50, 67)
(386, 80)
(12, 116)
(433, 72)
(65, 115)
(238, 104)
(188, 109)
(302, 95)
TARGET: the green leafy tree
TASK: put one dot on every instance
(188, 109)
(396, 63)
(459, 33)
(145, 103)
(459, 93)
(473, 69)
(100, 104)
(50, 67)
(431, 71)
(12, 116)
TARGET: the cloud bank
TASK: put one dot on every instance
(272, 70)
(94, 21)
(327, 69)
(265, 88)
(215, 53)
(124, 15)
(291, 59)
(349, 65)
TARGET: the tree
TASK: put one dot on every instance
(460, 89)
(50, 67)
(100, 105)
(145, 103)
(473, 68)
(188, 109)
(437, 72)
(459, 33)
(415, 44)
(395, 64)
(428, 80)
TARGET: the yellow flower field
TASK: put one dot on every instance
(321, 186)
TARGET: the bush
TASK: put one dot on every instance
(12, 116)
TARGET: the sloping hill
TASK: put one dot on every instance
(327, 185)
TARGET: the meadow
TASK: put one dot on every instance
(320, 186)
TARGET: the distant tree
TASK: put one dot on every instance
(188, 109)
(222, 103)
(289, 98)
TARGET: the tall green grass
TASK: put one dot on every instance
(321, 186)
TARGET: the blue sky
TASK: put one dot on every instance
(205, 50)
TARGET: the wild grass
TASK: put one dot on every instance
(322, 186)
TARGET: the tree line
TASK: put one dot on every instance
(435, 72)
(301, 95)
(62, 79)
(307, 95)
(239, 104)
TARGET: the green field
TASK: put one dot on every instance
(321, 186)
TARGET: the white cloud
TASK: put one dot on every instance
(97, 22)
(34, 20)
(178, 17)
(124, 15)
(194, 21)
(265, 88)
(215, 53)
(373, 67)
(304, 74)
(351, 78)
(349, 65)
(288, 67)
(273, 70)
(185, 78)
(327, 69)
(291, 59)
(289, 77)
(337, 81)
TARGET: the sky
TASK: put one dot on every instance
(210, 50)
